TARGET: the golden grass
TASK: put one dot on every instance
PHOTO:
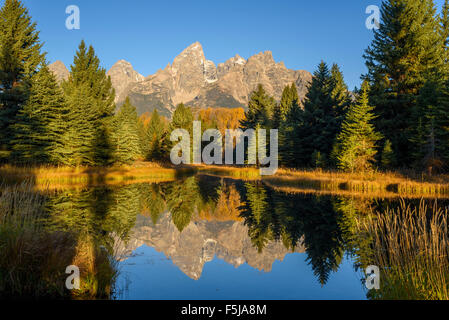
(412, 250)
(60, 177)
(243, 173)
(374, 183)
(379, 184)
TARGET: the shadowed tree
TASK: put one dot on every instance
(20, 57)
(407, 48)
(41, 122)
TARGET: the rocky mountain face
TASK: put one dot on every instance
(60, 70)
(122, 75)
(200, 241)
(198, 82)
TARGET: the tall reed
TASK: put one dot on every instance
(34, 258)
(411, 248)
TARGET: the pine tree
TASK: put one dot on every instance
(290, 142)
(20, 57)
(126, 137)
(406, 49)
(387, 157)
(155, 136)
(182, 118)
(281, 110)
(430, 136)
(260, 110)
(80, 136)
(444, 32)
(356, 143)
(319, 125)
(41, 123)
(88, 79)
(339, 94)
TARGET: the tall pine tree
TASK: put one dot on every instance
(356, 143)
(155, 137)
(406, 49)
(126, 136)
(430, 138)
(281, 110)
(318, 126)
(260, 110)
(88, 80)
(41, 122)
(20, 57)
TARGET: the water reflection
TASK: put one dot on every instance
(195, 219)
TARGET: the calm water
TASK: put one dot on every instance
(205, 237)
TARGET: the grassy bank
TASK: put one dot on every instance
(59, 177)
(244, 173)
(375, 183)
(379, 184)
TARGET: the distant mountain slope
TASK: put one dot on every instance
(60, 70)
(198, 82)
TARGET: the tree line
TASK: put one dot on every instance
(398, 118)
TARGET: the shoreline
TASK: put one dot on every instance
(382, 184)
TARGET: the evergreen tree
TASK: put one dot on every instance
(339, 94)
(182, 118)
(387, 157)
(406, 49)
(127, 140)
(88, 79)
(20, 57)
(290, 139)
(356, 143)
(281, 110)
(430, 139)
(260, 110)
(41, 122)
(444, 32)
(155, 136)
(318, 126)
(80, 136)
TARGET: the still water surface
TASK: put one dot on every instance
(205, 237)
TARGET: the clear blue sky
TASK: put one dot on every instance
(149, 33)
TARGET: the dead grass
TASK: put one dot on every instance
(374, 183)
(243, 173)
(60, 177)
(380, 184)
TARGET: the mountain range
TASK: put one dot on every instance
(201, 242)
(198, 82)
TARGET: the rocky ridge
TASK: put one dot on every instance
(201, 241)
(198, 82)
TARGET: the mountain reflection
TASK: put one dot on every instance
(201, 217)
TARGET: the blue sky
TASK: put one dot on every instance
(150, 34)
